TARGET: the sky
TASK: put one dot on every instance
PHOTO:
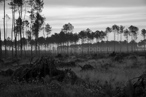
(93, 14)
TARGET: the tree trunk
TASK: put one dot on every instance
(67, 48)
(36, 45)
(31, 44)
(15, 45)
(131, 44)
(24, 44)
(20, 15)
(45, 48)
(0, 45)
(15, 34)
(12, 29)
(4, 29)
(89, 46)
(120, 42)
(107, 45)
(127, 44)
(82, 45)
(144, 45)
(31, 49)
(114, 41)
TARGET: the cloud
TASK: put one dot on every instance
(96, 3)
(81, 17)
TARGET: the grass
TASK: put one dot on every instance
(108, 79)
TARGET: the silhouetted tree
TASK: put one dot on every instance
(143, 33)
(16, 32)
(32, 17)
(97, 36)
(0, 45)
(41, 41)
(82, 36)
(19, 6)
(68, 28)
(115, 29)
(102, 36)
(28, 35)
(126, 34)
(25, 27)
(48, 29)
(75, 38)
(4, 19)
(37, 20)
(107, 31)
(121, 31)
(89, 37)
(133, 32)
(9, 42)
(36, 27)
(13, 7)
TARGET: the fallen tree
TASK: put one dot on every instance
(40, 69)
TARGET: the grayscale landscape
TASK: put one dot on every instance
(72, 48)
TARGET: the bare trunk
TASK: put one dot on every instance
(31, 32)
(31, 49)
(89, 46)
(24, 29)
(114, 41)
(107, 45)
(30, 42)
(82, 45)
(67, 48)
(20, 15)
(15, 45)
(0, 45)
(36, 45)
(4, 30)
(131, 44)
(96, 46)
(12, 32)
(144, 45)
(120, 42)
(45, 47)
(127, 44)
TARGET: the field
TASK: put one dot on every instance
(95, 75)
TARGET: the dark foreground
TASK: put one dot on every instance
(98, 75)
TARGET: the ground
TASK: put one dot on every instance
(111, 76)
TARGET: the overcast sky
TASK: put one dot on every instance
(93, 14)
(96, 3)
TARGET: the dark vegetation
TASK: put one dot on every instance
(48, 76)
(86, 67)
(67, 64)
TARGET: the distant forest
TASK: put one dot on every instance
(25, 34)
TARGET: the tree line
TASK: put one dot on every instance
(32, 26)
